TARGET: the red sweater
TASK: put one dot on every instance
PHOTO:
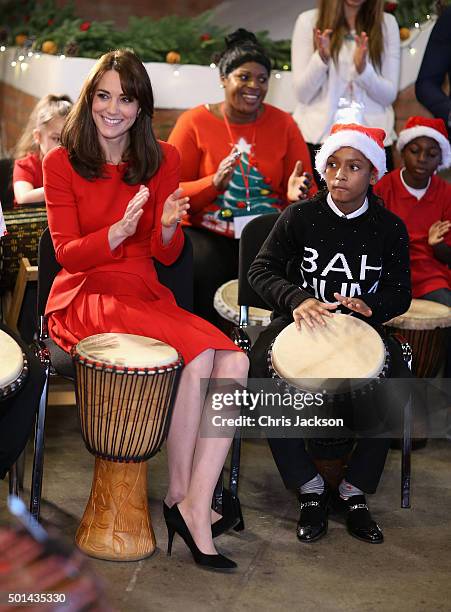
(80, 214)
(28, 169)
(428, 273)
(203, 140)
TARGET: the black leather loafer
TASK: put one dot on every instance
(312, 524)
(359, 522)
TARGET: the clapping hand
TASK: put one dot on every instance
(437, 232)
(322, 43)
(361, 51)
(354, 304)
(299, 184)
(175, 208)
(126, 226)
(225, 170)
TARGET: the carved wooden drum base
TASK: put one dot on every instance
(116, 525)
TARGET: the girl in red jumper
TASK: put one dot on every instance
(423, 201)
(42, 133)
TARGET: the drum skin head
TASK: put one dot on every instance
(126, 350)
(226, 304)
(423, 314)
(11, 360)
(322, 358)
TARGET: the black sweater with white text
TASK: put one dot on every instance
(312, 252)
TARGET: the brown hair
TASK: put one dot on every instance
(80, 137)
(369, 19)
(46, 109)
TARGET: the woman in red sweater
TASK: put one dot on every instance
(240, 158)
(113, 206)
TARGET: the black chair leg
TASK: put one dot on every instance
(406, 451)
(16, 476)
(235, 475)
(38, 460)
(217, 493)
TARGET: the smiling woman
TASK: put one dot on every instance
(240, 158)
(113, 208)
(113, 113)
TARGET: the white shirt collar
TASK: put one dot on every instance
(352, 215)
(417, 193)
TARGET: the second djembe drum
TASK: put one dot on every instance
(424, 326)
(125, 387)
(226, 305)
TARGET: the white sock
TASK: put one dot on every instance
(315, 485)
(347, 490)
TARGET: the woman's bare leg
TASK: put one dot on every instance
(209, 457)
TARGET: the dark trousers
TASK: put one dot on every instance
(17, 413)
(294, 463)
(215, 263)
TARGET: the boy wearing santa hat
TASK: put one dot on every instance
(341, 250)
(422, 200)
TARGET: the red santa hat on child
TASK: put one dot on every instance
(369, 141)
(423, 126)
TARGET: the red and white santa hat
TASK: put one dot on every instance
(423, 126)
(369, 141)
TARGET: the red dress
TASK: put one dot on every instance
(99, 290)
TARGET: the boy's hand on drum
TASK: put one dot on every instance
(225, 170)
(437, 232)
(175, 208)
(311, 312)
(126, 227)
(299, 183)
(354, 304)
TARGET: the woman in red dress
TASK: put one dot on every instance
(114, 205)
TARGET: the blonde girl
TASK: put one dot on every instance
(41, 134)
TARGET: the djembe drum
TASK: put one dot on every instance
(125, 387)
(13, 366)
(342, 361)
(424, 326)
(226, 305)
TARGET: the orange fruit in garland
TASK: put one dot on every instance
(20, 39)
(404, 33)
(49, 47)
(173, 57)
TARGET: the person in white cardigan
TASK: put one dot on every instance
(345, 67)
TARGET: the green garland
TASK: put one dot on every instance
(192, 41)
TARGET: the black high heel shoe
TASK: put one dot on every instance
(175, 523)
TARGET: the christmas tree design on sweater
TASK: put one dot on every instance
(237, 200)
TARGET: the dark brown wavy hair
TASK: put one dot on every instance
(79, 135)
(369, 19)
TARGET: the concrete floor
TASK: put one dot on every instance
(411, 571)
